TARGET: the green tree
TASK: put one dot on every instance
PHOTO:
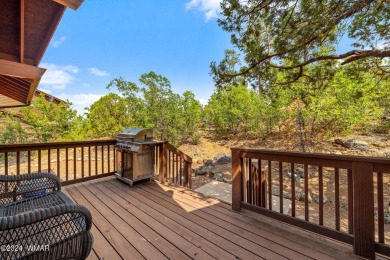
(108, 116)
(288, 35)
(50, 121)
(11, 131)
(152, 104)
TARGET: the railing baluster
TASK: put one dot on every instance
(102, 159)
(82, 162)
(49, 160)
(169, 166)
(292, 190)
(181, 171)
(177, 169)
(113, 149)
(74, 162)
(270, 185)
(250, 180)
(39, 160)
(350, 202)
(58, 163)
(281, 187)
(6, 168)
(89, 160)
(96, 160)
(258, 184)
(381, 217)
(29, 161)
(17, 163)
(321, 196)
(108, 158)
(306, 173)
(337, 198)
(67, 163)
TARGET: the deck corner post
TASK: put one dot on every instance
(163, 163)
(363, 209)
(236, 179)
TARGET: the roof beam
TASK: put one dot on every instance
(20, 70)
(73, 4)
(21, 31)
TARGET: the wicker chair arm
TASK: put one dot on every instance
(38, 215)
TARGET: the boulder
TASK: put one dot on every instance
(222, 158)
(218, 176)
(352, 144)
(208, 162)
(316, 198)
(227, 180)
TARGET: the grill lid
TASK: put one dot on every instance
(135, 135)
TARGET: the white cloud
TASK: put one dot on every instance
(57, 76)
(203, 101)
(80, 101)
(97, 72)
(211, 8)
(58, 42)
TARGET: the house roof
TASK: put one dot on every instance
(26, 28)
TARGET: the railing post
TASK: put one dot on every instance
(363, 209)
(187, 174)
(163, 163)
(236, 179)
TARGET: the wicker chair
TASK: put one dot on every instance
(38, 221)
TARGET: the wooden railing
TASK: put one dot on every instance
(71, 161)
(352, 194)
(174, 166)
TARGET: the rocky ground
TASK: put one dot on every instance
(208, 165)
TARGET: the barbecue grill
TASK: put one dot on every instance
(135, 153)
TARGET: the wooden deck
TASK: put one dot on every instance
(154, 221)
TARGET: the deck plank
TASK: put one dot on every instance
(110, 233)
(137, 240)
(300, 237)
(239, 246)
(177, 223)
(101, 247)
(154, 221)
(282, 246)
(120, 207)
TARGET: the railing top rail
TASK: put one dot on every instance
(321, 156)
(40, 146)
(178, 152)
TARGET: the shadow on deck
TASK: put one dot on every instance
(154, 221)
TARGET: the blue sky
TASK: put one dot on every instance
(106, 39)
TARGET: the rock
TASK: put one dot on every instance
(352, 144)
(387, 218)
(208, 162)
(199, 161)
(201, 171)
(227, 180)
(316, 198)
(222, 158)
(299, 171)
(300, 196)
(298, 179)
(218, 176)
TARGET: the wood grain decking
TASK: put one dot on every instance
(154, 221)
